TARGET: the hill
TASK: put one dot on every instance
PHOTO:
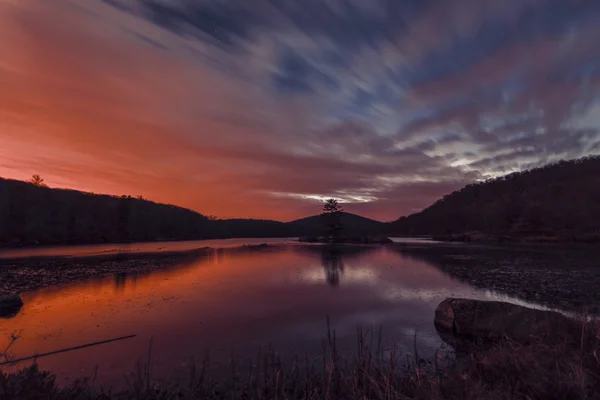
(352, 223)
(31, 214)
(253, 228)
(557, 202)
(36, 215)
(313, 225)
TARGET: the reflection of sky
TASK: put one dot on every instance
(397, 291)
(399, 102)
(237, 299)
(497, 296)
(240, 299)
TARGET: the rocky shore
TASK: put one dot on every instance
(516, 237)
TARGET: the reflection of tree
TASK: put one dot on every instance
(331, 259)
(334, 256)
(121, 280)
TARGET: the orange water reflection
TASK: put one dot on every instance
(232, 299)
(145, 247)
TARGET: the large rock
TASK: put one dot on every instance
(486, 321)
(10, 305)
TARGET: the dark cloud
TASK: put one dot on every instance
(224, 21)
(296, 74)
(482, 85)
(348, 23)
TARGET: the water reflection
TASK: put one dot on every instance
(331, 258)
(236, 299)
(227, 299)
(122, 279)
(128, 280)
(551, 277)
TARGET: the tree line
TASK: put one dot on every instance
(561, 200)
(31, 213)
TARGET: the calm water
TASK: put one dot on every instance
(234, 300)
(146, 247)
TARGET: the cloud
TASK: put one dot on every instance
(259, 108)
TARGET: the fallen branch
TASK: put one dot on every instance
(35, 356)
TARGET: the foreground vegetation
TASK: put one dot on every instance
(541, 369)
(557, 202)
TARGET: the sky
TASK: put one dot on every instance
(263, 108)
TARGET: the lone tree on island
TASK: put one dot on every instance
(332, 211)
(37, 181)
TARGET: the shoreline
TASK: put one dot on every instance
(50, 270)
(47, 271)
(508, 238)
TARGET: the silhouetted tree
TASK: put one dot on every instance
(37, 181)
(331, 214)
(332, 206)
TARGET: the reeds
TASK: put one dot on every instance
(504, 370)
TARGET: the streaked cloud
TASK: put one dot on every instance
(261, 108)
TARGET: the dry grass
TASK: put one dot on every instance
(504, 370)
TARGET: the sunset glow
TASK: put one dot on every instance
(262, 109)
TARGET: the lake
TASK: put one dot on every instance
(231, 300)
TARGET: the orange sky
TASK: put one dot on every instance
(98, 99)
(96, 111)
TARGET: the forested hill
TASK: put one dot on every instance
(310, 226)
(36, 215)
(352, 224)
(31, 214)
(559, 201)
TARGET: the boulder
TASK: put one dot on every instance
(457, 320)
(10, 305)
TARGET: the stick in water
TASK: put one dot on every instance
(64, 350)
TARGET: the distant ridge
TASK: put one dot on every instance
(312, 225)
(557, 202)
(35, 215)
